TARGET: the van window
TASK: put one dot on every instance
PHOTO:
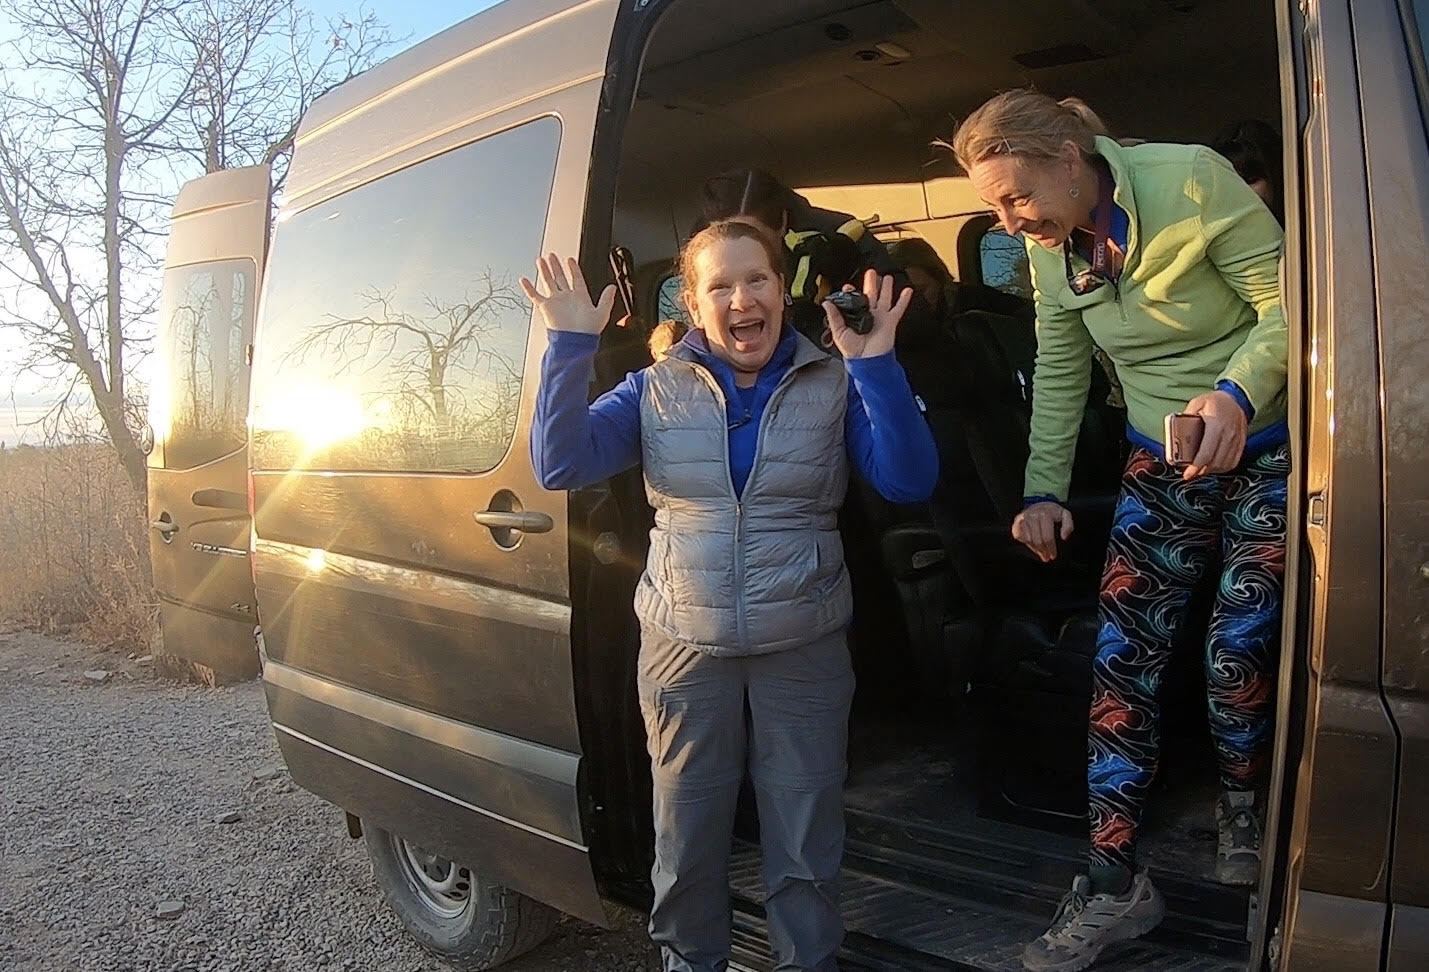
(203, 398)
(1003, 261)
(671, 307)
(394, 328)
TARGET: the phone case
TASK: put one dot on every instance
(1183, 437)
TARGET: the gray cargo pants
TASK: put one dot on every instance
(792, 737)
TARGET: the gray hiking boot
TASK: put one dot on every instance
(1086, 923)
(1238, 838)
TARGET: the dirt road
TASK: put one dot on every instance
(115, 853)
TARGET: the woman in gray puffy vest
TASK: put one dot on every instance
(745, 432)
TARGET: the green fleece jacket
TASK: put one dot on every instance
(1198, 302)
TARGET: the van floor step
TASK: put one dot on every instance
(995, 866)
(957, 931)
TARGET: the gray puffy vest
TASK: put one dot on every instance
(745, 575)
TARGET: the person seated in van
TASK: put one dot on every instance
(1163, 256)
(948, 297)
(824, 249)
(929, 275)
(1253, 147)
(944, 295)
(746, 433)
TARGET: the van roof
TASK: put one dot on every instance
(443, 81)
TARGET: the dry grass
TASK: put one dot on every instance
(74, 547)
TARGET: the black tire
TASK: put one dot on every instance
(467, 922)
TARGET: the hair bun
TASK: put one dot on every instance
(1084, 114)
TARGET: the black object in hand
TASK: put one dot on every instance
(855, 310)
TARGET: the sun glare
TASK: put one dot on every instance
(160, 410)
(318, 417)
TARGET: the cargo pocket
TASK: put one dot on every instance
(693, 708)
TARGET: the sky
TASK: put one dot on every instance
(418, 18)
(24, 398)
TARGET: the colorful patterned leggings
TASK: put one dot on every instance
(1163, 538)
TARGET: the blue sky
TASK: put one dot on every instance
(25, 398)
(418, 19)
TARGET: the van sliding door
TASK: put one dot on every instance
(413, 576)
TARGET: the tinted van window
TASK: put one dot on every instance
(672, 308)
(199, 411)
(394, 330)
(1003, 262)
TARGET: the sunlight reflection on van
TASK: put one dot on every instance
(160, 409)
(317, 416)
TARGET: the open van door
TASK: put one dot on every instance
(198, 464)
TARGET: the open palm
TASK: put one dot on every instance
(569, 307)
(886, 315)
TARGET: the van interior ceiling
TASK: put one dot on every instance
(832, 93)
(967, 746)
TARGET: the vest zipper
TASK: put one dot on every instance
(741, 613)
(742, 621)
(739, 607)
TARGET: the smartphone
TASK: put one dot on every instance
(622, 264)
(1183, 437)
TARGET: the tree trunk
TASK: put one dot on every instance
(131, 457)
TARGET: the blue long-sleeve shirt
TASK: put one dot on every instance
(574, 445)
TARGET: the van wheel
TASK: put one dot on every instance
(470, 923)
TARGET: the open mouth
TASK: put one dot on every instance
(746, 333)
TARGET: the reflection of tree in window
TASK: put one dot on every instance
(1004, 263)
(204, 324)
(435, 380)
(392, 335)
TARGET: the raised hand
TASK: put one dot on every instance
(569, 307)
(886, 315)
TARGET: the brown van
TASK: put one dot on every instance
(448, 649)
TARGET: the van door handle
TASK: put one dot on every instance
(524, 521)
(167, 527)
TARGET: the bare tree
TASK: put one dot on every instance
(258, 61)
(119, 100)
(422, 355)
(101, 89)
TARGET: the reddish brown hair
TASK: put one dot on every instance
(719, 232)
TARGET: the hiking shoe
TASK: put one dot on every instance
(1086, 923)
(1238, 838)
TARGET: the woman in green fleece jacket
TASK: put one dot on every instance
(1162, 256)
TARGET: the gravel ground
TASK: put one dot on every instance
(110, 799)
